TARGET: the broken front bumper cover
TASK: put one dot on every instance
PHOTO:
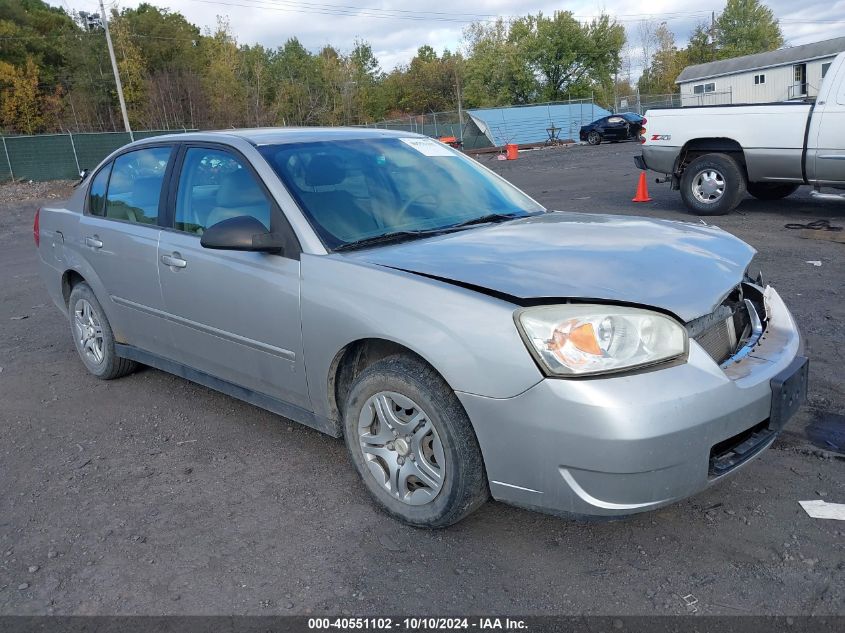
(629, 443)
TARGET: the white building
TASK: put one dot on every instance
(787, 73)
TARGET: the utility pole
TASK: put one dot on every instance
(460, 104)
(116, 74)
(713, 35)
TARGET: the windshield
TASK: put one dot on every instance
(354, 190)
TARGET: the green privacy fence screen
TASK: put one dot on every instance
(60, 156)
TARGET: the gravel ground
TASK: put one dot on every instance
(20, 190)
(152, 495)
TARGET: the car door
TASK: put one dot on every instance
(828, 156)
(119, 235)
(234, 315)
(616, 128)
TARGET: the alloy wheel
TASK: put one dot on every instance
(89, 332)
(708, 186)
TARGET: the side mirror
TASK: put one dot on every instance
(241, 233)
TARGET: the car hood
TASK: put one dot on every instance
(686, 269)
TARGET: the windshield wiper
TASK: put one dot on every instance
(485, 219)
(393, 236)
(396, 236)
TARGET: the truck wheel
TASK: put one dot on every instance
(771, 190)
(594, 138)
(412, 443)
(93, 337)
(713, 184)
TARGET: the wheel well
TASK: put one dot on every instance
(69, 280)
(349, 362)
(700, 146)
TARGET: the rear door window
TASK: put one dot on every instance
(135, 185)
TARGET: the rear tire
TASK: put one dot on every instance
(413, 445)
(713, 184)
(93, 337)
(771, 190)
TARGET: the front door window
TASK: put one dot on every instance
(214, 186)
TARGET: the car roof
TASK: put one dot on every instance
(282, 135)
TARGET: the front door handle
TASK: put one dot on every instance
(93, 242)
(174, 261)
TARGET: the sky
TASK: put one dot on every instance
(396, 29)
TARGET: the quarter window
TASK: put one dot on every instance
(215, 185)
(135, 185)
(97, 192)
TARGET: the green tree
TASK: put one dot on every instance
(497, 70)
(746, 27)
(225, 92)
(167, 41)
(666, 64)
(364, 69)
(296, 74)
(570, 58)
(700, 48)
(132, 68)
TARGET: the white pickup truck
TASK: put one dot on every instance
(714, 154)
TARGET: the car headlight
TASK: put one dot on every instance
(583, 340)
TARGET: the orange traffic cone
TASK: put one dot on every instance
(642, 190)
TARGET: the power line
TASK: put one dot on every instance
(342, 12)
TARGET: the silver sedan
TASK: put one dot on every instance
(465, 341)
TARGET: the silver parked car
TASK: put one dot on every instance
(464, 341)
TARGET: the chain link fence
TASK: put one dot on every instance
(63, 156)
(534, 122)
(60, 156)
(454, 124)
(641, 103)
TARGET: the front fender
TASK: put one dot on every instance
(468, 337)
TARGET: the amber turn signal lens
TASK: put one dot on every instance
(582, 337)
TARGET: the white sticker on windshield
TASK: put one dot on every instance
(428, 147)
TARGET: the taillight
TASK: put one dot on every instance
(642, 134)
(645, 120)
(36, 228)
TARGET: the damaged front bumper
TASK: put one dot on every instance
(630, 443)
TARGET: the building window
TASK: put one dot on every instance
(825, 68)
(701, 88)
(759, 79)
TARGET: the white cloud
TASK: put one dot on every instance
(272, 22)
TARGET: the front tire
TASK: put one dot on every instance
(93, 337)
(713, 184)
(771, 190)
(413, 445)
(594, 138)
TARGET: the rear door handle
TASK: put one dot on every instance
(93, 242)
(174, 261)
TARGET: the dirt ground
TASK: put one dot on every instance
(152, 495)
